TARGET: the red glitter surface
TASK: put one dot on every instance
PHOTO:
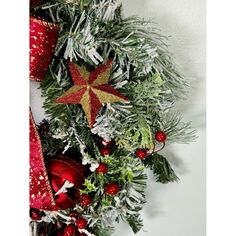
(41, 196)
(43, 39)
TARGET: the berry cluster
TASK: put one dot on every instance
(160, 137)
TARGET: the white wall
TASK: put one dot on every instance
(179, 209)
(176, 209)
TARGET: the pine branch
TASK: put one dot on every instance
(135, 222)
(176, 130)
(42, 228)
(101, 231)
(161, 168)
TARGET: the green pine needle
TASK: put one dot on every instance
(161, 168)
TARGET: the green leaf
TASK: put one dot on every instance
(106, 203)
(157, 78)
(90, 187)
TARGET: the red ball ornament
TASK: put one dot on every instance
(101, 169)
(105, 151)
(141, 153)
(60, 169)
(35, 214)
(85, 200)
(112, 189)
(160, 136)
(70, 230)
(43, 39)
(81, 223)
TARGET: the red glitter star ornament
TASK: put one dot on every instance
(91, 90)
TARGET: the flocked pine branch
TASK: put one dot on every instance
(177, 130)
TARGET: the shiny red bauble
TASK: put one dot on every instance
(101, 169)
(105, 151)
(112, 189)
(81, 223)
(60, 169)
(70, 230)
(160, 136)
(141, 153)
(85, 200)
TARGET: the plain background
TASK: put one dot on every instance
(176, 209)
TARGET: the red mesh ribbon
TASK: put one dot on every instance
(43, 39)
(41, 196)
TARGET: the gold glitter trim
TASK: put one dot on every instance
(45, 23)
(86, 104)
(42, 161)
(84, 73)
(103, 77)
(74, 89)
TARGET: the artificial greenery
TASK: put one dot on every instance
(161, 168)
(91, 32)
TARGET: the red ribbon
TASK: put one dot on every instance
(43, 38)
(41, 196)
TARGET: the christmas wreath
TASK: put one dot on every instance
(109, 86)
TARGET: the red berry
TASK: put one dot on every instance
(105, 151)
(101, 169)
(70, 230)
(112, 189)
(85, 200)
(141, 153)
(106, 143)
(81, 223)
(35, 214)
(160, 136)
